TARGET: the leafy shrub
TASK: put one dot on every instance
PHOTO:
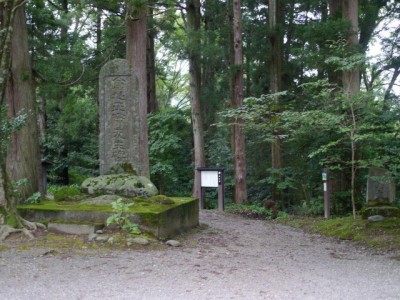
(34, 198)
(66, 192)
(120, 218)
(170, 151)
(251, 211)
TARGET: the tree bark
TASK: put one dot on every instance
(7, 9)
(334, 76)
(151, 68)
(351, 79)
(23, 157)
(351, 84)
(193, 27)
(275, 83)
(239, 153)
(136, 41)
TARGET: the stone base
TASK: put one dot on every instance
(78, 229)
(161, 220)
(384, 211)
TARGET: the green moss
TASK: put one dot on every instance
(383, 234)
(12, 221)
(123, 168)
(139, 185)
(140, 206)
(161, 199)
(342, 228)
(2, 214)
(383, 210)
(58, 241)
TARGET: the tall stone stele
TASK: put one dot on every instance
(122, 169)
(381, 188)
(119, 119)
(381, 193)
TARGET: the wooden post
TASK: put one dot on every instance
(213, 177)
(221, 189)
(325, 179)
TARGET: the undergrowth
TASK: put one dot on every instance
(384, 234)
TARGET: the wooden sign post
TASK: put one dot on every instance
(212, 177)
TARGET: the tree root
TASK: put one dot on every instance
(27, 230)
(6, 230)
(32, 225)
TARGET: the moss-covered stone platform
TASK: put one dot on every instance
(160, 219)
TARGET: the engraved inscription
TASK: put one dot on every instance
(119, 136)
(119, 114)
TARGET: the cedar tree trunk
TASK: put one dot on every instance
(136, 41)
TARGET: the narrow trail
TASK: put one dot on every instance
(229, 258)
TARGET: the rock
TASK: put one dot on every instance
(120, 184)
(173, 243)
(140, 241)
(50, 196)
(384, 211)
(70, 228)
(102, 238)
(161, 199)
(92, 237)
(376, 218)
(101, 200)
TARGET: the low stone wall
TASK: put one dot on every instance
(163, 221)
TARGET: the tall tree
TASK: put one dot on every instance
(239, 154)
(151, 58)
(136, 45)
(275, 83)
(23, 159)
(9, 218)
(351, 78)
(7, 9)
(194, 42)
(351, 85)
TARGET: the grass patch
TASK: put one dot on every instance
(384, 234)
(250, 211)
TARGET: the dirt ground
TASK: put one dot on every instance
(229, 257)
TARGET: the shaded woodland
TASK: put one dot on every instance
(274, 91)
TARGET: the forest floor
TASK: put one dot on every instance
(227, 257)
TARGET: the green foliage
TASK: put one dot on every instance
(251, 211)
(71, 141)
(8, 126)
(170, 146)
(313, 207)
(76, 177)
(65, 192)
(35, 198)
(16, 187)
(120, 217)
(384, 234)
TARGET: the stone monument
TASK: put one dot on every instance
(380, 187)
(119, 118)
(381, 193)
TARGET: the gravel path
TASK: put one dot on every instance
(230, 258)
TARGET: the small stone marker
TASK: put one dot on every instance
(173, 243)
(139, 241)
(376, 218)
(381, 188)
(119, 116)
